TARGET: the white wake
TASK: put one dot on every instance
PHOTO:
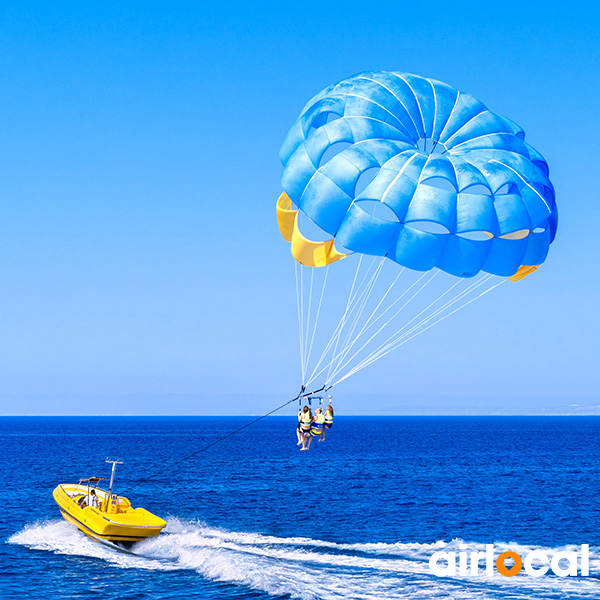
(311, 569)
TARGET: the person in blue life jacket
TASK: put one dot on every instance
(305, 426)
(328, 421)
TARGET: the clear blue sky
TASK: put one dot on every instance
(141, 269)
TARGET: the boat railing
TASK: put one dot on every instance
(107, 503)
(90, 480)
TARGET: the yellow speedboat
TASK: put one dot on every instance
(103, 515)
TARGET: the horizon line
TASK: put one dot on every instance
(367, 416)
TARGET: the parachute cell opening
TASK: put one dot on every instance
(378, 209)
(333, 151)
(441, 183)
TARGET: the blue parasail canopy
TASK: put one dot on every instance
(450, 185)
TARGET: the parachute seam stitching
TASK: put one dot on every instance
(527, 184)
(485, 110)
(384, 109)
(458, 95)
(416, 100)
(385, 87)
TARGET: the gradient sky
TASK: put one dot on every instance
(141, 267)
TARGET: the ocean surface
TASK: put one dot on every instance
(358, 516)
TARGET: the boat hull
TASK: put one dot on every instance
(127, 526)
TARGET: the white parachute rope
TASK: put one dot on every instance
(384, 297)
(341, 323)
(360, 298)
(366, 326)
(358, 307)
(365, 299)
(391, 339)
(302, 316)
(299, 304)
(361, 305)
(317, 318)
(398, 335)
(388, 321)
(404, 340)
(398, 299)
(392, 345)
(405, 325)
(356, 294)
(307, 328)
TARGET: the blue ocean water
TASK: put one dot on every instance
(357, 516)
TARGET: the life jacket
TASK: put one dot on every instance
(306, 421)
(317, 426)
(328, 418)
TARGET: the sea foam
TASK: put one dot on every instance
(308, 568)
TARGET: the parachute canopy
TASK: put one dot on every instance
(388, 165)
(396, 165)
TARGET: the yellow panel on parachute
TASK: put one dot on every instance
(305, 251)
(286, 216)
(523, 271)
